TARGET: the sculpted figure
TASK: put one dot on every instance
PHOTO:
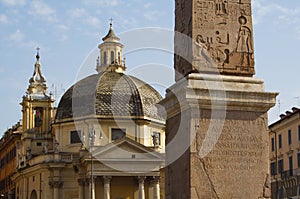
(244, 45)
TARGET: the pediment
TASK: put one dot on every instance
(126, 149)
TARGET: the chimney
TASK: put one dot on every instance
(282, 116)
(288, 113)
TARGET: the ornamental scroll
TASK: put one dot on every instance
(222, 36)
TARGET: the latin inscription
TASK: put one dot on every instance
(239, 146)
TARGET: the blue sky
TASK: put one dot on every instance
(67, 31)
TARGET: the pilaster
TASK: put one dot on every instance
(107, 180)
(141, 180)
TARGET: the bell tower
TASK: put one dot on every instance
(37, 106)
(111, 58)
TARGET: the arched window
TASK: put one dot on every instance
(112, 57)
(119, 57)
(104, 58)
(38, 117)
(33, 195)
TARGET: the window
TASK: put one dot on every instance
(117, 133)
(280, 193)
(156, 138)
(273, 168)
(291, 165)
(273, 144)
(112, 57)
(280, 166)
(299, 133)
(104, 58)
(290, 137)
(119, 57)
(38, 116)
(279, 141)
(75, 137)
(298, 159)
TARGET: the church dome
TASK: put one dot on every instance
(109, 95)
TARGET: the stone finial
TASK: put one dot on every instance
(37, 83)
(111, 34)
(111, 22)
(37, 77)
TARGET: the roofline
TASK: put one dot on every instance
(109, 117)
(286, 117)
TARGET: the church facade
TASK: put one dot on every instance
(106, 138)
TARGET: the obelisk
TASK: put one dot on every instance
(217, 124)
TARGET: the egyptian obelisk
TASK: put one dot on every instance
(217, 124)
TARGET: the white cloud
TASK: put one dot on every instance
(81, 15)
(32, 45)
(3, 19)
(93, 21)
(1, 69)
(62, 32)
(123, 22)
(76, 13)
(40, 9)
(13, 2)
(62, 27)
(298, 34)
(17, 36)
(147, 5)
(262, 9)
(103, 2)
(151, 15)
(129, 22)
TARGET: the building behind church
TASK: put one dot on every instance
(105, 139)
(284, 136)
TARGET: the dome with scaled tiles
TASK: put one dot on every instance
(110, 93)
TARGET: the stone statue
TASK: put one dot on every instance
(83, 142)
(46, 147)
(28, 153)
(155, 139)
(56, 146)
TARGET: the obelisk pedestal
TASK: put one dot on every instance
(217, 140)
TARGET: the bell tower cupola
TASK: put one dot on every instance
(37, 106)
(37, 83)
(111, 58)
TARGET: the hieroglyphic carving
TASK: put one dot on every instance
(244, 43)
(205, 17)
(225, 27)
(228, 25)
